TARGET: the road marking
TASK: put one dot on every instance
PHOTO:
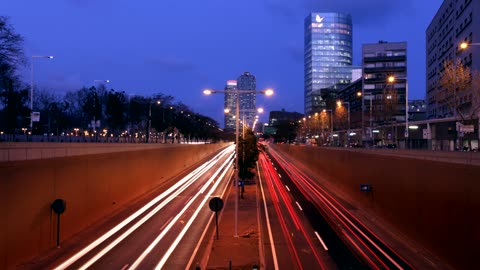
(197, 247)
(275, 168)
(164, 225)
(269, 228)
(299, 206)
(321, 241)
(279, 176)
(287, 188)
(125, 267)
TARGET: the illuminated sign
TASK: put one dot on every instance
(319, 19)
(232, 82)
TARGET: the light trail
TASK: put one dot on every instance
(169, 226)
(307, 185)
(193, 217)
(269, 228)
(321, 241)
(195, 173)
(197, 247)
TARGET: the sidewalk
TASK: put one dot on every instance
(242, 251)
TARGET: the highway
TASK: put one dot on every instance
(290, 241)
(351, 244)
(164, 233)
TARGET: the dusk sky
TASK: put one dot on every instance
(179, 47)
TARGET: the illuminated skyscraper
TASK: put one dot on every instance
(327, 55)
(230, 106)
(248, 109)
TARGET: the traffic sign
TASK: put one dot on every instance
(215, 204)
(365, 187)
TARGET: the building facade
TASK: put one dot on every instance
(278, 116)
(327, 55)
(248, 109)
(230, 106)
(387, 100)
(456, 21)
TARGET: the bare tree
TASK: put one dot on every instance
(11, 51)
(459, 91)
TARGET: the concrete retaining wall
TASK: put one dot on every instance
(92, 185)
(435, 203)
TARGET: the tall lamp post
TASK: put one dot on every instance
(94, 124)
(237, 92)
(149, 124)
(331, 123)
(391, 79)
(31, 86)
(339, 104)
(370, 98)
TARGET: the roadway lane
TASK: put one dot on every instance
(164, 233)
(289, 240)
(344, 232)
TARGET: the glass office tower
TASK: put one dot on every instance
(327, 55)
(230, 105)
(248, 110)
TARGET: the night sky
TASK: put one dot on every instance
(180, 47)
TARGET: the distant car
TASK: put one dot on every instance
(391, 146)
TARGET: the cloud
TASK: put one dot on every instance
(171, 64)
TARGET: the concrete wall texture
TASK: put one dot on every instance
(435, 203)
(93, 186)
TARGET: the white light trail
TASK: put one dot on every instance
(189, 223)
(200, 169)
(299, 207)
(321, 241)
(171, 224)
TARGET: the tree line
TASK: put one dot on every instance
(115, 112)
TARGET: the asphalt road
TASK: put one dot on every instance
(162, 233)
(351, 244)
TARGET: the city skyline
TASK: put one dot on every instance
(181, 48)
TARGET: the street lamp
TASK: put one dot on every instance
(369, 97)
(331, 123)
(339, 104)
(94, 124)
(464, 45)
(391, 79)
(31, 86)
(237, 92)
(149, 124)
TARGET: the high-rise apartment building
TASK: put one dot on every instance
(247, 81)
(456, 21)
(327, 55)
(388, 99)
(230, 105)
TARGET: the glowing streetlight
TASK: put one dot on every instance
(339, 104)
(464, 45)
